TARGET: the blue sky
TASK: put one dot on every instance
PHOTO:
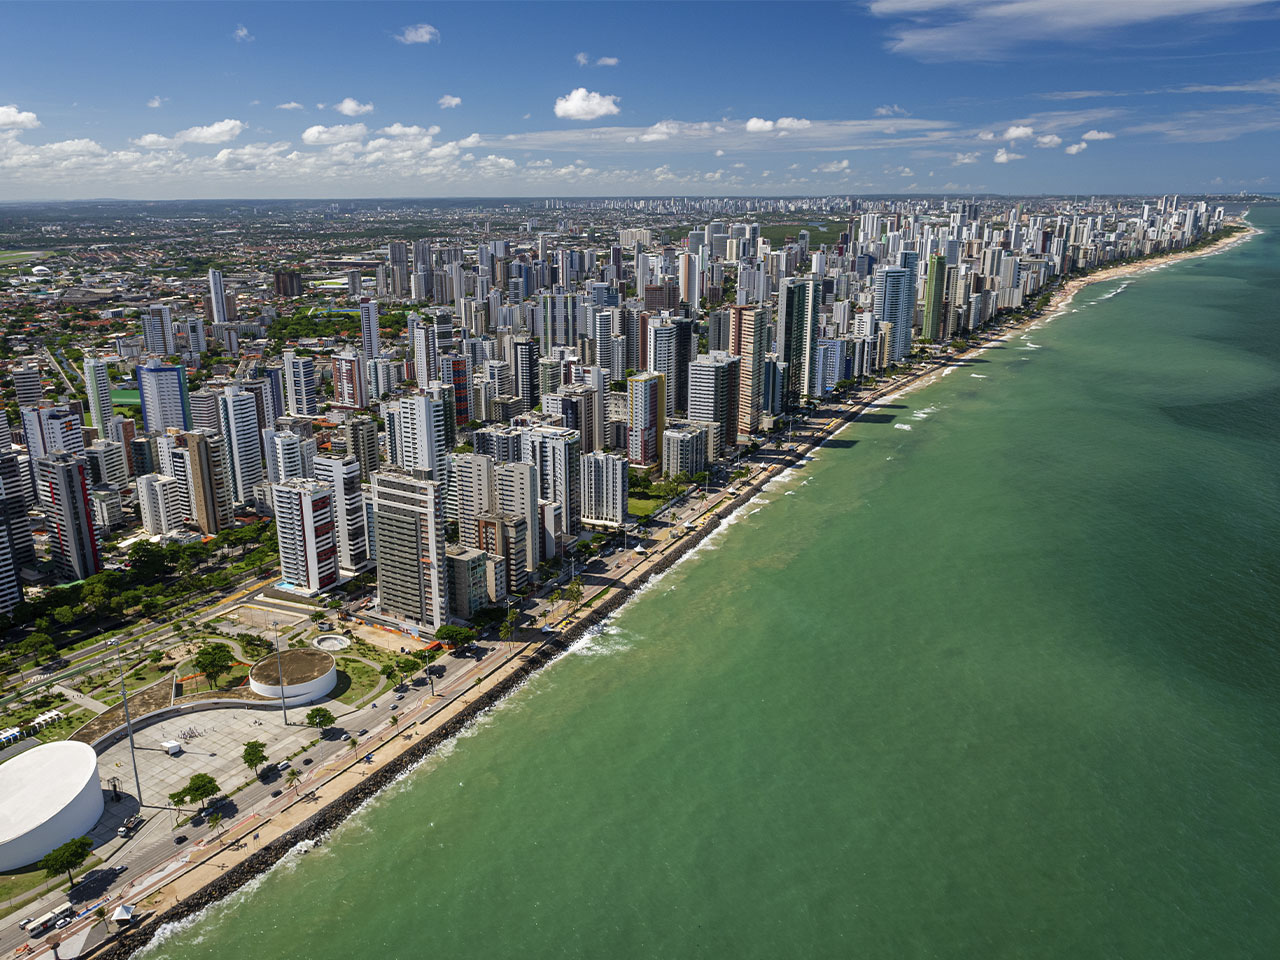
(174, 100)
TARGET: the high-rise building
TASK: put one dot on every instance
(27, 384)
(557, 453)
(350, 381)
(370, 339)
(160, 499)
(64, 486)
(50, 429)
(239, 412)
(204, 411)
(305, 530)
(516, 490)
(288, 455)
(343, 475)
(934, 295)
(157, 331)
(423, 443)
(797, 328)
(749, 340)
(409, 527)
(299, 385)
(646, 417)
(684, 450)
(162, 389)
(16, 492)
(471, 481)
(361, 437)
(10, 565)
(97, 384)
(528, 387)
(107, 463)
(713, 393)
(605, 481)
(217, 297)
(211, 493)
(288, 283)
(893, 302)
(663, 360)
(426, 354)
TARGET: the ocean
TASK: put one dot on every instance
(995, 675)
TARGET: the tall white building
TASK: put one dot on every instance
(162, 393)
(343, 475)
(893, 302)
(350, 380)
(604, 489)
(370, 340)
(662, 359)
(422, 443)
(160, 499)
(175, 462)
(97, 382)
(304, 511)
(300, 385)
(239, 412)
(217, 297)
(288, 455)
(409, 528)
(157, 330)
(713, 393)
(426, 357)
(516, 491)
(557, 454)
(51, 430)
(471, 484)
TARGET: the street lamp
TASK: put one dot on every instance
(275, 625)
(128, 724)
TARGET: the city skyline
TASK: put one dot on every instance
(449, 100)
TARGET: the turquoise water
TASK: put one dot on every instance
(1003, 684)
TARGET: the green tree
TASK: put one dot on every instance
(214, 660)
(388, 670)
(573, 592)
(291, 778)
(64, 615)
(215, 821)
(507, 629)
(66, 858)
(455, 636)
(199, 788)
(99, 915)
(255, 755)
(320, 718)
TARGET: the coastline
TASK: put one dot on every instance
(223, 870)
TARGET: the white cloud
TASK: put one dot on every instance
(1077, 148)
(351, 107)
(756, 125)
(448, 101)
(157, 101)
(320, 135)
(242, 34)
(1098, 135)
(581, 58)
(986, 135)
(719, 153)
(661, 130)
(291, 105)
(219, 132)
(400, 130)
(890, 110)
(905, 172)
(471, 141)
(793, 123)
(419, 33)
(835, 166)
(584, 104)
(1006, 156)
(1016, 133)
(11, 116)
(1048, 140)
(607, 62)
(963, 158)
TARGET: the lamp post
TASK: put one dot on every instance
(275, 625)
(128, 724)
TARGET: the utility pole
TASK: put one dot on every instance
(275, 625)
(128, 724)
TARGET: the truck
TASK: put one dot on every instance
(131, 824)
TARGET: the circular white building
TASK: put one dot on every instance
(48, 795)
(309, 674)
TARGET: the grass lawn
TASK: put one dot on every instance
(356, 680)
(31, 882)
(69, 724)
(776, 233)
(18, 256)
(643, 506)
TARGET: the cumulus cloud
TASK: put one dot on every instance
(662, 130)
(963, 158)
(581, 58)
(1077, 148)
(242, 34)
(1098, 135)
(757, 125)
(890, 110)
(400, 130)
(11, 116)
(219, 132)
(1048, 140)
(320, 135)
(156, 101)
(449, 101)
(835, 166)
(1016, 133)
(584, 104)
(351, 107)
(419, 33)
(607, 62)
(782, 124)
(719, 153)
(291, 105)
(986, 135)
(471, 141)
(1006, 156)
(792, 123)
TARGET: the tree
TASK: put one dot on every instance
(455, 636)
(407, 665)
(66, 858)
(64, 615)
(388, 670)
(214, 660)
(395, 719)
(99, 915)
(255, 755)
(320, 717)
(291, 777)
(573, 592)
(215, 821)
(507, 629)
(199, 788)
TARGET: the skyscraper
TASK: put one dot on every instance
(713, 394)
(605, 481)
(304, 513)
(343, 475)
(64, 484)
(557, 454)
(893, 302)
(749, 341)
(423, 444)
(527, 386)
(217, 297)
(663, 360)
(162, 389)
(516, 490)
(370, 340)
(934, 295)
(409, 525)
(97, 384)
(50, 429)
(426, 358)
(161, 502)
(157, 331)
(646, 417)
(299, 385)
(361, 437)
(350, 381)
(211, 493)
(239, 413)
(797, 322)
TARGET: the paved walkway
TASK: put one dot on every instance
(80, 699)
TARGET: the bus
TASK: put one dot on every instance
(41, 925)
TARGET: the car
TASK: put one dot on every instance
(276, 793)
(25, 923)
(306, 762)
(121, 867)
(394, 706)
(362, 733)
(180, 839)
(283, 765)
(399, 696)
(64, 922)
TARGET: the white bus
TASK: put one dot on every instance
(46, 923)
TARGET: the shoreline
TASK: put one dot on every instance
(222, 870)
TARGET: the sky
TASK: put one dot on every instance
(258, 100)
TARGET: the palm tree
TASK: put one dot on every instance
(215, 822)
(99, 916)
(292, 777)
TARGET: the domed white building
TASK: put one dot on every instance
(48, 795)
(309, 674)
